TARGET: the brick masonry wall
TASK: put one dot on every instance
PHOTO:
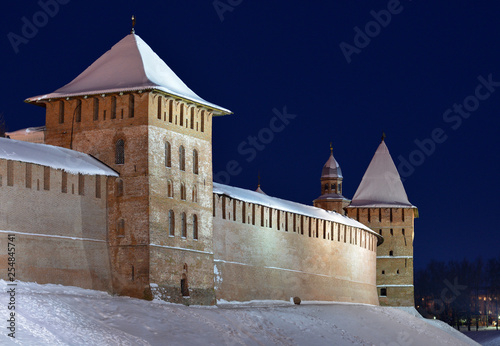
(395, 254)
(60, 237)
(264, 262)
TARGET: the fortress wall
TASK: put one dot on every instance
(258, 257)
(60, 237)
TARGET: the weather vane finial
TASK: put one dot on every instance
(331, 148)
(383, 136)
(133, 25)
(258, 179)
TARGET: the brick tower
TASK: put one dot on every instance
(381, 203)
(331, 187)
(132, 112)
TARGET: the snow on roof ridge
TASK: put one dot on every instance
(129, 65)
(68, 160)
(381, 184)
(285, 205)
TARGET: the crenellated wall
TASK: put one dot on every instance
(264, 253)
(59, 223)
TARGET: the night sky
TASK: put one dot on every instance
(427, 76)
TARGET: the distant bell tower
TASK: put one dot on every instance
(331, 187)
(381, 203)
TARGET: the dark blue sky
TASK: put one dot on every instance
(431, 68)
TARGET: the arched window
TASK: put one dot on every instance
(120, 152)
(195, 226)
(202, 118)
(158, 113)
(183, 191)
(168, 155)
(171, 223)
(184, 286)
(195, 161)
(391, 253)
(170, 189)
(182, 158)
(195, 194)
(333, 187)
(192, 117)
(326, 187)
(183, 225)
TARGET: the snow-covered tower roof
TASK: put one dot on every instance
(381, 185)
(130, 65)
(331, 169)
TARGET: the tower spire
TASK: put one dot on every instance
(133, 25)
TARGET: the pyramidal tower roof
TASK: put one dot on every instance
(381, 185)
(130, 65)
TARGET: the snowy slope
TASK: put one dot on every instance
(59, 315)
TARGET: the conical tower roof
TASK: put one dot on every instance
(381, 185)
(130, 65)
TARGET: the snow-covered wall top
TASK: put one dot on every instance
(284, 205)
(67, 160)
(128, 66)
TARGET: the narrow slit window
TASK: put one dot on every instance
(81, 184)
(113, 107)
(120, 152)
(192, 118)
(195, 161)
(158, 113)
(195, 226)
(183, 225)
(171, 223)
(170, 189)
(181, 122)
(168, 154)
(182, 158)
(61, 112)
(28, 175)
(97, 186)
(46, 178)
(202, 118)
(170, 110)
(131, 106)
(96, 109)
(64, 182)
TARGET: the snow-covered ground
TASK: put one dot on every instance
(61, 315)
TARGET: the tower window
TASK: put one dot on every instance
(195, 226)
(383, 272)
(403, 231)
(96, 108)
(391, 253)
(131, 105)
(61, 112)
(195, 161)
(113, 107)
(97, 186)
(202, 118)
(183, 225)
(171, 223)
(326, 188)
(170, 189)
(159, 108)
(170, 110)
(192, 118)
(168, 156)
(182, 158)
(383, 292)
(195, 194)
(81, 184)
(181, 122)
(392, 231)
(333, 187)
(120, 152)
(183, 192)
(340, 188)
